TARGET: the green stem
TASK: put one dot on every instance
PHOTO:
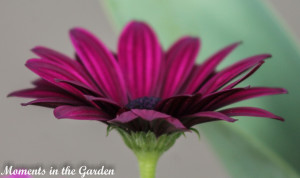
(147, 163)
(148, 148)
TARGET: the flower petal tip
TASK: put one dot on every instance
(76, 32)
(57, 114)
(284, 91)
(195, 41)
(279, 118)
(239, 42)
(232, 120)
(136, 22)
(30, 62)
(37, 49)
(236, 44)
(24, 104)
(137, 25)
(266, 56)
(10, 94)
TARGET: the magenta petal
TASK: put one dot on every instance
(171, 105)
(247, 94)
(209, 100)
(53, 102)
(52, 55)
(71, 65)
(42, 83)
(208, 67)
(226, 75)
(212, 114)
(106, 100)
(180, 59)
(92, 98)
(104, 104)
(80, 113)
(148, 115)
(139, 55)
(178, 105)
(36, 93)
(51, 71)
(190, 79)
(203, 117)
(250, 111)
(80, 86)
(245, 76)
(100, 63)
(54, 70)
(158, 89)
(124, 117)
(42, 89)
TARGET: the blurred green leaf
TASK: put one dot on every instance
(251, 146)
(244, 155)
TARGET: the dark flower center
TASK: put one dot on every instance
(143, 103)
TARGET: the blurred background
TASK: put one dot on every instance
(31, 135)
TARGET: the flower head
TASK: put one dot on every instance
(142, 87)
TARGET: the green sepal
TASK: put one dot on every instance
(196, 131)
(109, 129)
(148, 148)
(148, 142)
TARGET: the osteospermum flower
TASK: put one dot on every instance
(142, 88)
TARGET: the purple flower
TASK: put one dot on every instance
(142, 87)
